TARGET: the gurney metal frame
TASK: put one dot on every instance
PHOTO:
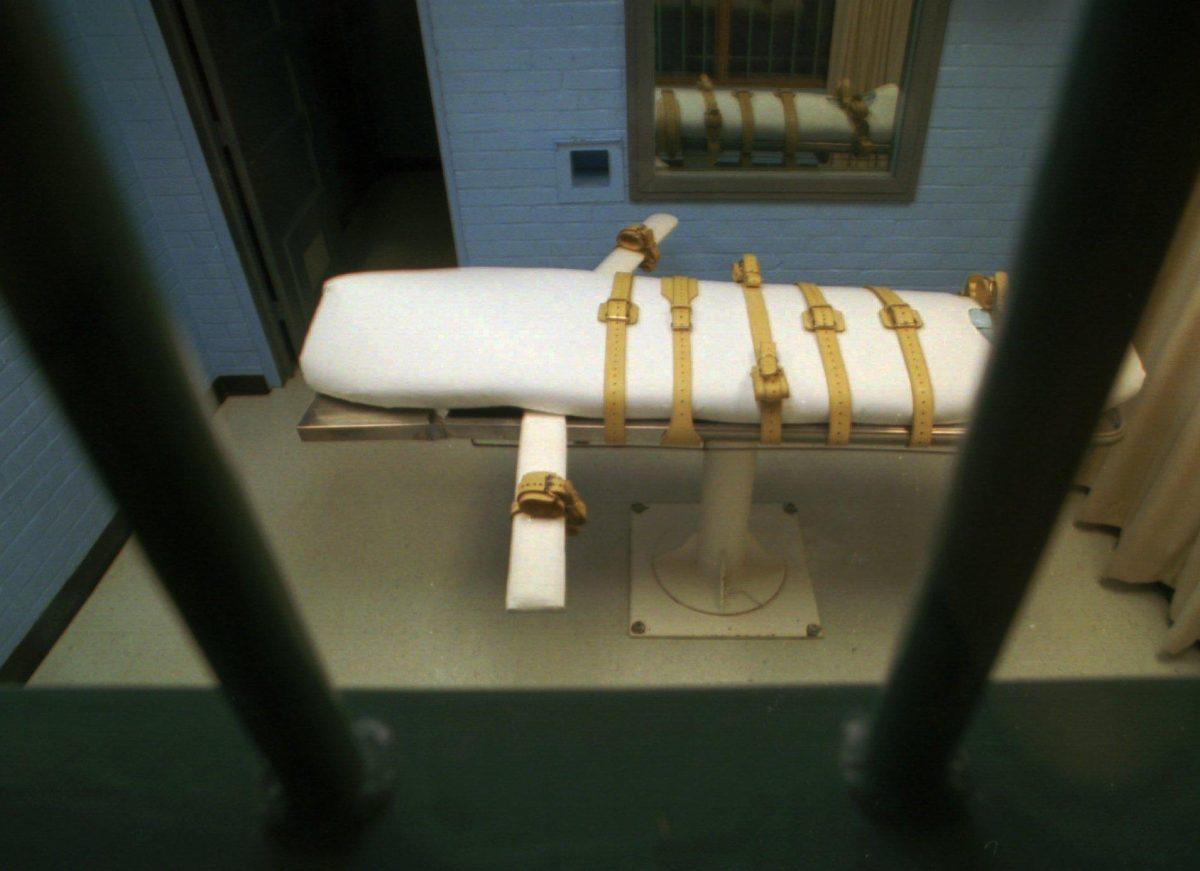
(328, 419)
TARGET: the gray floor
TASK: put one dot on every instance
(396, 553)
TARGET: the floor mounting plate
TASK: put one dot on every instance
(653, 613)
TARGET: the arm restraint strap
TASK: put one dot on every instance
(746, 104)
(680, 292)
(856, 110)
(617, 313)
(670, 141)
(712, 120)
(826, 322)
(770, 383)
(640, 238)
(791, 126)
(547, 495)
(897, 315)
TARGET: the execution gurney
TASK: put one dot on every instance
(503, 356)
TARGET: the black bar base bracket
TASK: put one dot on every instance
(318, 825)
(897, 795)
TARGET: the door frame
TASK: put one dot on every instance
(216, 141)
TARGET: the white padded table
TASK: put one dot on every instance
(529, 338)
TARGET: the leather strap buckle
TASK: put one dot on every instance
(681, 305)
(640, 238)
(545, 495)
(681, 318)
(770, 382)
(619, 310)
(823, 317)
(900, 316)
(747, 272)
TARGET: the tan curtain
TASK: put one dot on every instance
(869, 43)
(1148, 484)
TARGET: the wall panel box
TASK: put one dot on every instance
(590, 171)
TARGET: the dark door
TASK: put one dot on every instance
(265, 140)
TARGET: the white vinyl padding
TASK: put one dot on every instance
(537, 561)
(483, 337)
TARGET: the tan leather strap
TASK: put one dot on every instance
(767, 376)
(618, 313)
(670, 139)
(640, 238)
(825, 322)
(712, 119)
(897, 315)
(746, 104)
(546, 495)
(791, 126)
(856, 111)
(680, 291)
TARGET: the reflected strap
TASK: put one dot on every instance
(712, 120)
(791, 126)
(670, 140)
(746, 103)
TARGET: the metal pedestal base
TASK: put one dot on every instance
(665, 602)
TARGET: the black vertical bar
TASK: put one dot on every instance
(1119, 167)
(77, 283)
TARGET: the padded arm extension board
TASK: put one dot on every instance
(537, 561)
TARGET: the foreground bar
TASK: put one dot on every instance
(1096, 235)
(75, 278)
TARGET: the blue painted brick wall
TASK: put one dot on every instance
(52, 506)
(171, 190)
(512, 77)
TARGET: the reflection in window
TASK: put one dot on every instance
(789, 84)
(742, 42)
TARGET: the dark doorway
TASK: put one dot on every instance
(317, 122)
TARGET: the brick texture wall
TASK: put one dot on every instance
(52, 507)
(512, 78)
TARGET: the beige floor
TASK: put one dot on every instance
(396, 554)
